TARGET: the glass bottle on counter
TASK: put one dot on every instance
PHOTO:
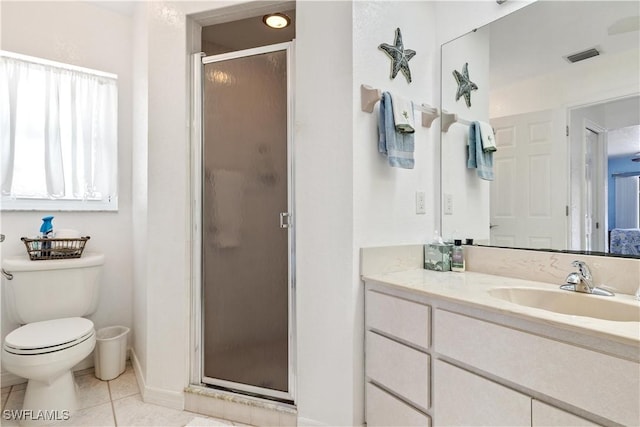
(457, 256)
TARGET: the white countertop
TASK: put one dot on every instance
(470, 289)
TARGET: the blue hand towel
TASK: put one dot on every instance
(396, 146)
(479, 159)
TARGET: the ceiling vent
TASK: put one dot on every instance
(581, 56)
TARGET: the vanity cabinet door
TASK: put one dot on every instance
(543, 415)
(465, 399)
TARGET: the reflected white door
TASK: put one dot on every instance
(529, 193)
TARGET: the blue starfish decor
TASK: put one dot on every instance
(465, 86)
(399, 55)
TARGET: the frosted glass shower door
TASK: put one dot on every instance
(245, 238)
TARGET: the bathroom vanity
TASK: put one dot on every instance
(442, 350)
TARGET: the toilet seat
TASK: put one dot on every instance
(48, 336)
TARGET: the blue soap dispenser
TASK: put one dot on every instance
(46, 231)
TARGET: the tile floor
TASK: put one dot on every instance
(113, 403)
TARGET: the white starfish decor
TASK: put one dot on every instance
(399, 55)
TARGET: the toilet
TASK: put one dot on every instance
(49, 299)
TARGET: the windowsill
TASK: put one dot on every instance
(8, 205)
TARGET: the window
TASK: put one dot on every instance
(58, 136)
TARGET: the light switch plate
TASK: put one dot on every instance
(421, 204)
(448, 204)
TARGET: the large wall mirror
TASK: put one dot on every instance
(567, 132)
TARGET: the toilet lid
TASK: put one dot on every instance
(49, 335)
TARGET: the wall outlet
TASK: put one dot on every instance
(448, 204)
(421, 204)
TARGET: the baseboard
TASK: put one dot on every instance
(169, 399)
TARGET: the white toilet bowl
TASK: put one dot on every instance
(44, 353)
(50, 298)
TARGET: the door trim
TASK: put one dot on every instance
(197, 354)
(601, 169)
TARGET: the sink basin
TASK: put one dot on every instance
(572, 303)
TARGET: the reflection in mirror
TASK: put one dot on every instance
(567, 133)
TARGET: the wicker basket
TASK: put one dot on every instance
(40, 249)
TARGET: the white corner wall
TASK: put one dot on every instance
(323, 144)
(83, 34)
(384, 199)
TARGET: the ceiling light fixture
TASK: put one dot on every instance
(276, 20)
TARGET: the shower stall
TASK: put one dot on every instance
(243, 234)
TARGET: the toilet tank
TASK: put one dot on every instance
(51, 289)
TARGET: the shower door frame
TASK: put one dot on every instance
(197, 146)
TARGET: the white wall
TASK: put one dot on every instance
(86, 35)
(597, 79)
(384, 198)
(324, 213)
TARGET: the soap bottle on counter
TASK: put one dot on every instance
(457, 256)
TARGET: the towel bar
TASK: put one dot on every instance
(450, 118)
(369, 96)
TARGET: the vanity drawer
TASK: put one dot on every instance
(406, 320)
(385, 410)
(562, 371)
(401, 369)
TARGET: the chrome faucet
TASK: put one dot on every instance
(582, 281)
(586, 279)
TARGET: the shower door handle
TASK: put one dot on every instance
(285, 220)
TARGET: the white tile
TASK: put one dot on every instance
(14, 402)
(5, 395)
(96, 416)
(91, 391)
(8, 422)
(132, 411)
(83, 372)
(15, 399)
(125, 385)
(20, 386)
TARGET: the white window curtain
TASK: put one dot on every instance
(58, 129)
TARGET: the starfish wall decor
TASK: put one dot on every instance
(399, 55)
(465, 86)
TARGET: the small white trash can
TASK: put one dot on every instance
(110, 354)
